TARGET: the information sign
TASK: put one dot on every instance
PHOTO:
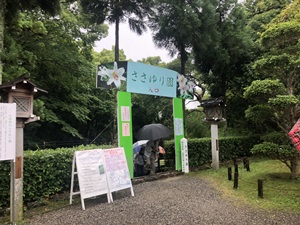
(7, 131)
(118, 176)
(91, 173)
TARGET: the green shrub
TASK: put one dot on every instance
(199, 149)
(45, 173)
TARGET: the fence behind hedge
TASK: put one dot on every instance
(48, 172)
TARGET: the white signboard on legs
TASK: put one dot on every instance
(91, 173)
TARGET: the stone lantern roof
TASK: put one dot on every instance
(22, 83)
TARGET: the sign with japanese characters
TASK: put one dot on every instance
(7, 131)
(91, 173)
(144, 79)
(151, 80)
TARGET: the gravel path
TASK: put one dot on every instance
(177, 200)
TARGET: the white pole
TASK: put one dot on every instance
(214, 145)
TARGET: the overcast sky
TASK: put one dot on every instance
(135, 47)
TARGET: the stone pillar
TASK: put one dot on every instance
(16, 202)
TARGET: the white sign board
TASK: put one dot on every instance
(7, 131)
(118, 175)
(91, 173)
(184, 155)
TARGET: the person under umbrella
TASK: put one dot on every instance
(139, 162)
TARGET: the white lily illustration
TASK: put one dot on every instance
(102, 72)
(183, 89)
(181, 80)
(191, 85)
(115, 75)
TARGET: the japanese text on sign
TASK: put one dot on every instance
(7, 131)
(146, 79)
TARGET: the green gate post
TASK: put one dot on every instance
(125, 127)
(178, 130)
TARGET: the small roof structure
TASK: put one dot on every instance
(22, 82)
(213, 103)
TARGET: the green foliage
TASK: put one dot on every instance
(176, 27)
(277, 137)
(195, 126)
(276, 145)
(262, 90)
(153, 60)
(107, 56)
(274, 151)
(284, 101)
(260, 116)
(279, 65)
(149, 109)
(200, 149)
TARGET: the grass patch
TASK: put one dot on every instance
(279, 191)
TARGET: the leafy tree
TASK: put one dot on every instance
(223, 48)
(194, 125)
(118, 11)
(153, 60)
(56, 51)
(275, 98)
(106, 56)
(174, 25)
(9, 11)
(222, 53)
(260, 13)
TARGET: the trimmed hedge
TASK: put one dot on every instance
(48, 172)
(200, 149)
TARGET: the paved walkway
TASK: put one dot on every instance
(175, 200)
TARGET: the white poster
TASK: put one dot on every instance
(7, 131)
(178, 128)
(118, 176)
(91, 173)
(125, 113)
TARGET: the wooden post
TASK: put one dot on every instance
(260, 188)
(236, 169)
(245, 162)
(248, 165)
(235, 180)
(229, 173)
(236, 176)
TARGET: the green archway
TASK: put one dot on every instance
(144, 79)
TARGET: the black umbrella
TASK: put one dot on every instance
(153, 132)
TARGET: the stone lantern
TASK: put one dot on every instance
(21, 92)
(214, 112)
(214, 109)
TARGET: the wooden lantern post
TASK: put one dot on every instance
(213, 110)
(20, 91)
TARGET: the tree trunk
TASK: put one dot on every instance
(2, 21)
(295, 167)
(117, 39)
